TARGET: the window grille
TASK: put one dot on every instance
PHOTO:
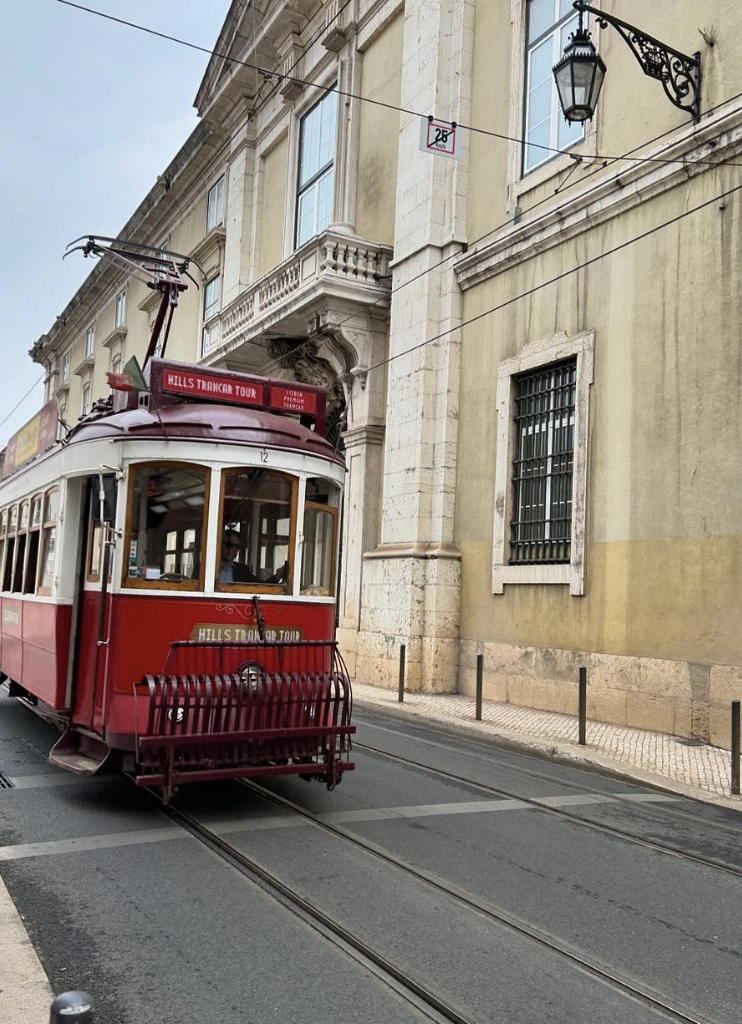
(541, 524)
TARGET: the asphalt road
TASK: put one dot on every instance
(121, 902)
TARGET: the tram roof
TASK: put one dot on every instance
(210, 422)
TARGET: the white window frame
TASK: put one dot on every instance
(119, 315)
(539, 354)
(519, 180)
(210, 332)
(90, 341)
(66, 367)
(328, 170)
(215, 205)
(87, 389)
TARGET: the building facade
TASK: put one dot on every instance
(531, 351)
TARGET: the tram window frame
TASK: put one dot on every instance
(333, 510)
(33, 547)
(12, 536)
(286, 587)
(196, 585)
(19, 568)
(3, 540)
(49, 522)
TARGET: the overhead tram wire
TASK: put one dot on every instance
(596, 165)
(366, 99)
(560, 277)
(21, 400)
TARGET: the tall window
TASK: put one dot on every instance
(211, 308)
(550, 23)
(541, 524)
(65, 367)
(316, 168)
(215, 205)
(89, 341)
(120, 313)
(85, 399)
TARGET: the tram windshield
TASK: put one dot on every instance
(167, 525)
(257, 536)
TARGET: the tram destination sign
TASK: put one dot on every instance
(230, 388)
(214, 386)
(37, 435)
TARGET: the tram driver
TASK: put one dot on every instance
(232, 571)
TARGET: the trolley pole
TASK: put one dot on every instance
(583, 706)
(72, 1008)
(735, 747)
(401, 673)
(480, 669)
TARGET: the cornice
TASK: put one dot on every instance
(209, 243)
(718, 139)
(117, 334)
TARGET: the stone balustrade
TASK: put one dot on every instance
(344, 261)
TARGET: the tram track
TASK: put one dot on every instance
(627, 986)
(539, 804)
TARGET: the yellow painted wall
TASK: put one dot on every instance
(664, 504)
(274, 178)
(378, 143)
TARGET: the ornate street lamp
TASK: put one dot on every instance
(579, 74)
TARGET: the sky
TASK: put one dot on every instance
(93, 112)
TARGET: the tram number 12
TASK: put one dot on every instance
(263, 455)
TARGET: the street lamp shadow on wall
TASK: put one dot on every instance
(579, 74)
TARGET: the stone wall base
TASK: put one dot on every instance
(677, 697)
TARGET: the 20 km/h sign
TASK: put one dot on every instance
(443, 138)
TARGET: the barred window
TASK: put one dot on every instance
(541, 524)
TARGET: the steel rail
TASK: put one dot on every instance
(497, 914)
(417, 995)
(559, 812)
(605, 773)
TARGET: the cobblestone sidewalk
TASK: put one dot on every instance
(695, 769)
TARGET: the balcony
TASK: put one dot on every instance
(331, 270)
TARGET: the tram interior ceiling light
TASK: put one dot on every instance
(579, 74)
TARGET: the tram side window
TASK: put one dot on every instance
(167, 514)
(11, 547)
(20, 557)
(3, 538)
(258, 529)
(320, 538)
(34, 543)
(48, 542)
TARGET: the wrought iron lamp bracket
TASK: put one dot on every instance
(679, 74)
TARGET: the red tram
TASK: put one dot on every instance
(168, 578)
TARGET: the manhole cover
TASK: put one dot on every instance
(5, 782)
(18, 751)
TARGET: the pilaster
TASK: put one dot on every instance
(411, 581)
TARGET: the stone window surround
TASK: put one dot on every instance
(518, 182)
(537, 354)
(220, 177)
(119, 320)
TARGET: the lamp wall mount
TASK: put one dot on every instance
(679, 74)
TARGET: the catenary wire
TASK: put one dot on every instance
(364, 99)
(21, 400)
(560, 277)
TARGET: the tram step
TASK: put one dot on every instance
(83, 755)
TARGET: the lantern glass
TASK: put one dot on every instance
(579, 78)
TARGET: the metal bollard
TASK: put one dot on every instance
(735, 747)
(401, 673)
(582, 710)
(72, 1008)
(480, 668)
